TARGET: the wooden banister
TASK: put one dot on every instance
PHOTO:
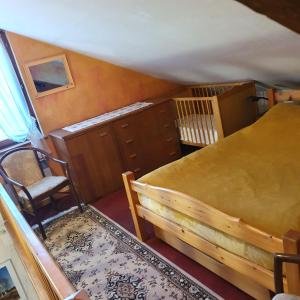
(47, 277)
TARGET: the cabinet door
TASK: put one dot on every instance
(82, 167)
(106, 160)
(95, 163)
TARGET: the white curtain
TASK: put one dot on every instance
(16, 122)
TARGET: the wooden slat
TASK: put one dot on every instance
(179, 119)
(187, 134)
(211, 116)
(192, 129)
(133, 200)
(244, 266)
(201, 124)
(210, 216)
(241, 281)
(217, 116)
(204, 123)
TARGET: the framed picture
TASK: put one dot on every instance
(10, 285)
(49, 75)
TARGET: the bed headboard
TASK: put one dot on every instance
(279, 96)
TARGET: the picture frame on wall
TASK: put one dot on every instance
(49, 75)
(10, 285)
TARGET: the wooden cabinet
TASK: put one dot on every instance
(140, 141)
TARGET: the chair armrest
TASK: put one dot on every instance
(10, 180)
(64, 164)
(279, 259)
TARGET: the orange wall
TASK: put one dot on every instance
(99, 86)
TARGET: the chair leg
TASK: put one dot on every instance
(42, 230)
(39, 222)
(53, 203)
(75, 196)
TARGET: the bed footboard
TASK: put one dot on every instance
(219, 221)
(291, 244)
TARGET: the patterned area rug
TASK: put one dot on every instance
(108, 262)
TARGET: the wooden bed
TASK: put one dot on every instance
(209, 112)
(254, 279)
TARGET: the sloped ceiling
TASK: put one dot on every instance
(184, 41)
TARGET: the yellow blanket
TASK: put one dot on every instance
(253, 174)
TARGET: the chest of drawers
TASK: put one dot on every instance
(140, 141)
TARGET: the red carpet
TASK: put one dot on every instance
(115, 206)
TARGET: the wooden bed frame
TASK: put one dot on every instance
(255, 280)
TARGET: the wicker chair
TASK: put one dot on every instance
(21, 170)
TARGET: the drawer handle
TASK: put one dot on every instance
(133, 155)
(103, 134)
(170, 139)
(167, 125)
(172, 153)
(137, 170)
(124, 125)
(129, 141)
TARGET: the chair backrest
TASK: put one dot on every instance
(22, 166)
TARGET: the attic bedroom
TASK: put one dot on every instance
(149, 150)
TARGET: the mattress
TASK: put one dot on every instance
(254, 174)
(198, 128)
(214, 236)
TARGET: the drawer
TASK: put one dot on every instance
(168, 129)
(165, 114)
(135, 165)
(171, 153)
(127, 128)
(129, 145)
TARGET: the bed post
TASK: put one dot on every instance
(271, 97)
(291, 245)
(133, 201)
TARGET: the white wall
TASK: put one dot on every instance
(185, 41)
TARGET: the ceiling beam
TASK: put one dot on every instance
(287, 13)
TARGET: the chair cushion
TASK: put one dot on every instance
(286, 297)
(40, 187)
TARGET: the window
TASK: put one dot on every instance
(17, 118)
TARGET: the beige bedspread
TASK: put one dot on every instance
(253, 174)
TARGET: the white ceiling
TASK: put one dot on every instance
(185, 41)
